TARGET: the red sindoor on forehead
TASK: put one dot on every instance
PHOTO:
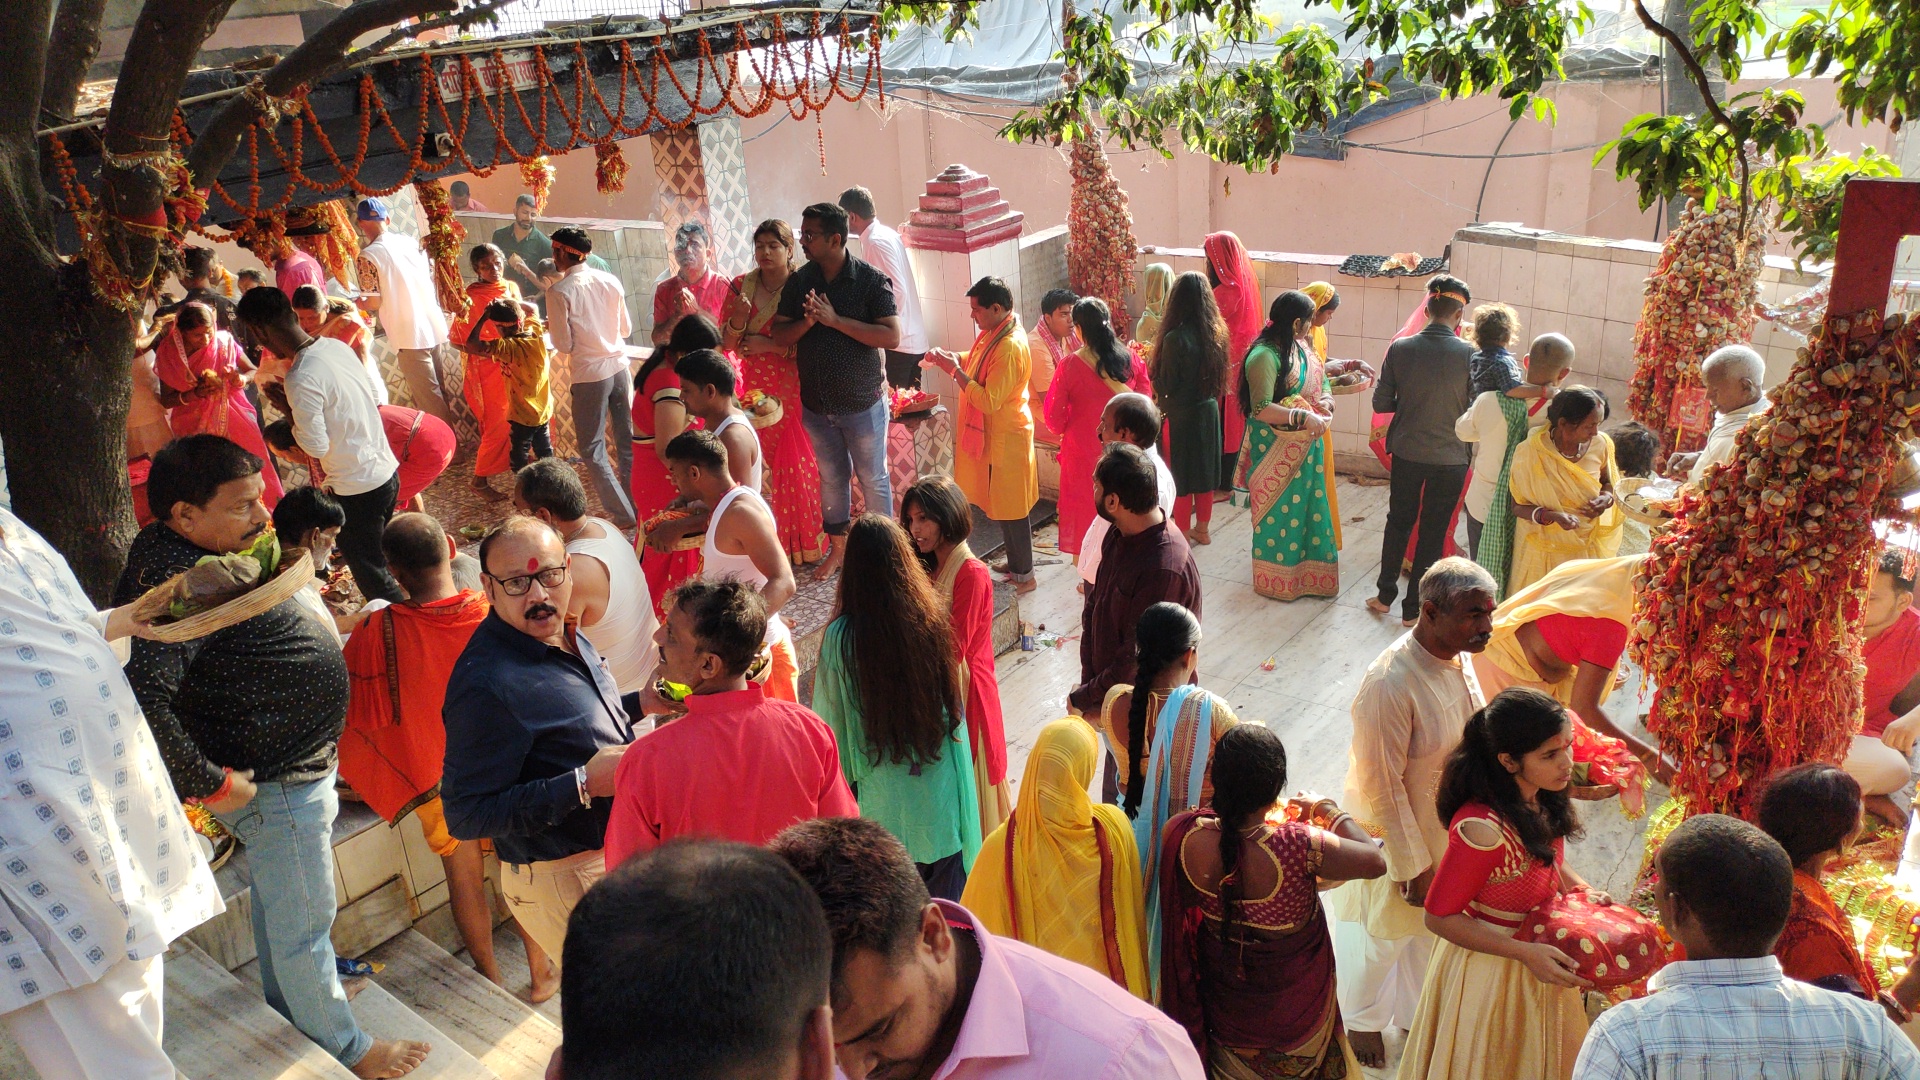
(533, 563)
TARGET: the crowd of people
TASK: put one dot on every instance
(853, 879)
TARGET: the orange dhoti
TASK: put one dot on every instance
(486, 393)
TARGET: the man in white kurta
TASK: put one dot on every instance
(99, 869)
(1407, 716)
(1735, 381)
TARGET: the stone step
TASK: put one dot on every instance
(220, 1028)
(505, 1033)
(511, 954)
(384, 1017)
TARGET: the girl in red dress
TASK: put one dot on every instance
(792, 474)
(935, 513)
(1082, 385)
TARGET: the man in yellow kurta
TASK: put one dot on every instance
(993, 446)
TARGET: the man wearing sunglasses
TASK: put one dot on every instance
(535, 728)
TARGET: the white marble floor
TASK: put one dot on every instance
(1292, 666)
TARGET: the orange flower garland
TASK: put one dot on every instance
(609, 168)
(1748, 618)
(1100, 247)
(442, 244)
(537, 173)
(338, 247)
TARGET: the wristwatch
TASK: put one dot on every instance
(580, 779)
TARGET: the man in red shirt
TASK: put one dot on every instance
(695, 288)
(763, 764)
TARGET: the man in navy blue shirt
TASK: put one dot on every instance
(535, 728)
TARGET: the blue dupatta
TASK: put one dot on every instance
(1167, 795)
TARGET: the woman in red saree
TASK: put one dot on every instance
(1248, 963)
(1236, 290)
(202, 374)
(792, 474)
(1814, 810)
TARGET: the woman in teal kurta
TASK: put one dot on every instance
(888, 684)
(1282, 466)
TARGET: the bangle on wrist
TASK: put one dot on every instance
(1534, 515)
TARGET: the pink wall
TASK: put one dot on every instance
(1372, 202)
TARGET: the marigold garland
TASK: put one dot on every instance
(609, 168)
(338, 247)
(1100, 247)
(1699, 297)
(1748, 618)
(442, 241)
(537, 173)
(803, 63)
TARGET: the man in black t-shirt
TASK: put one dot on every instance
(837, 313)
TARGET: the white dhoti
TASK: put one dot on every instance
(1379, 954)
(108, 1029)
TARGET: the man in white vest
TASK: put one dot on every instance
(396, 282)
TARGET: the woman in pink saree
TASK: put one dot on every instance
(202, 374)
(1236, 291)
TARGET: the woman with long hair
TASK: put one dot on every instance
(1236, 291)
(202, 372)
(792, 474)
(889, 686)
(935, 513)
(1062, 874)
(1156, 281)
(1284, 388)
(1161, 732)
(1248, 969)
(1562, 483)
(1491, 1005)
(1189, 372)
(1082, 385)
(658, 416)
(1815, 811)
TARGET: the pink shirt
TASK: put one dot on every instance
(739, 766)
(1035, 1016)
(709, 292)
(296, 270)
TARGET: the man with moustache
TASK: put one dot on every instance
(248, 719)
(535, 729)
(1407, 717)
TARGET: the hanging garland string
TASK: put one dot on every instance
(803, 71)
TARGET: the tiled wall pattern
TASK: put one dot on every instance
(730, 212)
(682, 175)
(1043, 266)
(637, 251)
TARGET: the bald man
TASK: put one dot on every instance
(1487, 425)
(535, 728)
(1735, 377)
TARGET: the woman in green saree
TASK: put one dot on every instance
(1282, 461)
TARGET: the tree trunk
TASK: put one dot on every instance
(1683, 94)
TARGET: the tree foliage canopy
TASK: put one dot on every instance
(1239, 88)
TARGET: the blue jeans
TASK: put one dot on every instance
(288, 832)
(846, 444)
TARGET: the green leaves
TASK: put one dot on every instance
(1871, 46)
(1809, 195)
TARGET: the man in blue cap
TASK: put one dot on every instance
(396, 283)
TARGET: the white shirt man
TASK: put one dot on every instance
(1409, 712)
(881, 248)
(115, 871)
(1734, 377)
(587, 319)
(337, 420)
(1720, 441)
(400, 289)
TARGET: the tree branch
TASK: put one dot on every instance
(1699, 76)
(319, 55)
(76, 41)
(23, 30)
(461, 19)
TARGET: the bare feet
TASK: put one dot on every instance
(1374, 605)
(1408, 623)
(1369, 1048)
(352, 985)
(827, 567)
(546, 983)
(391, 1057)
(1202, 534)
(1024, 586)
(485, 490)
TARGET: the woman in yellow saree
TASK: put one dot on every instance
(1063, 873)
(1562, 485)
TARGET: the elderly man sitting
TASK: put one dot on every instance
(1735, 378)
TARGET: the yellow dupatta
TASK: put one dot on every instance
(1542, 476)
(1085, 356)
(1584, 589)
(1063, 874)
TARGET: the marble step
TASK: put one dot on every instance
(505, 1033)
(220, 1028)
(383, 1016)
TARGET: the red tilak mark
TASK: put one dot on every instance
(533, 563)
